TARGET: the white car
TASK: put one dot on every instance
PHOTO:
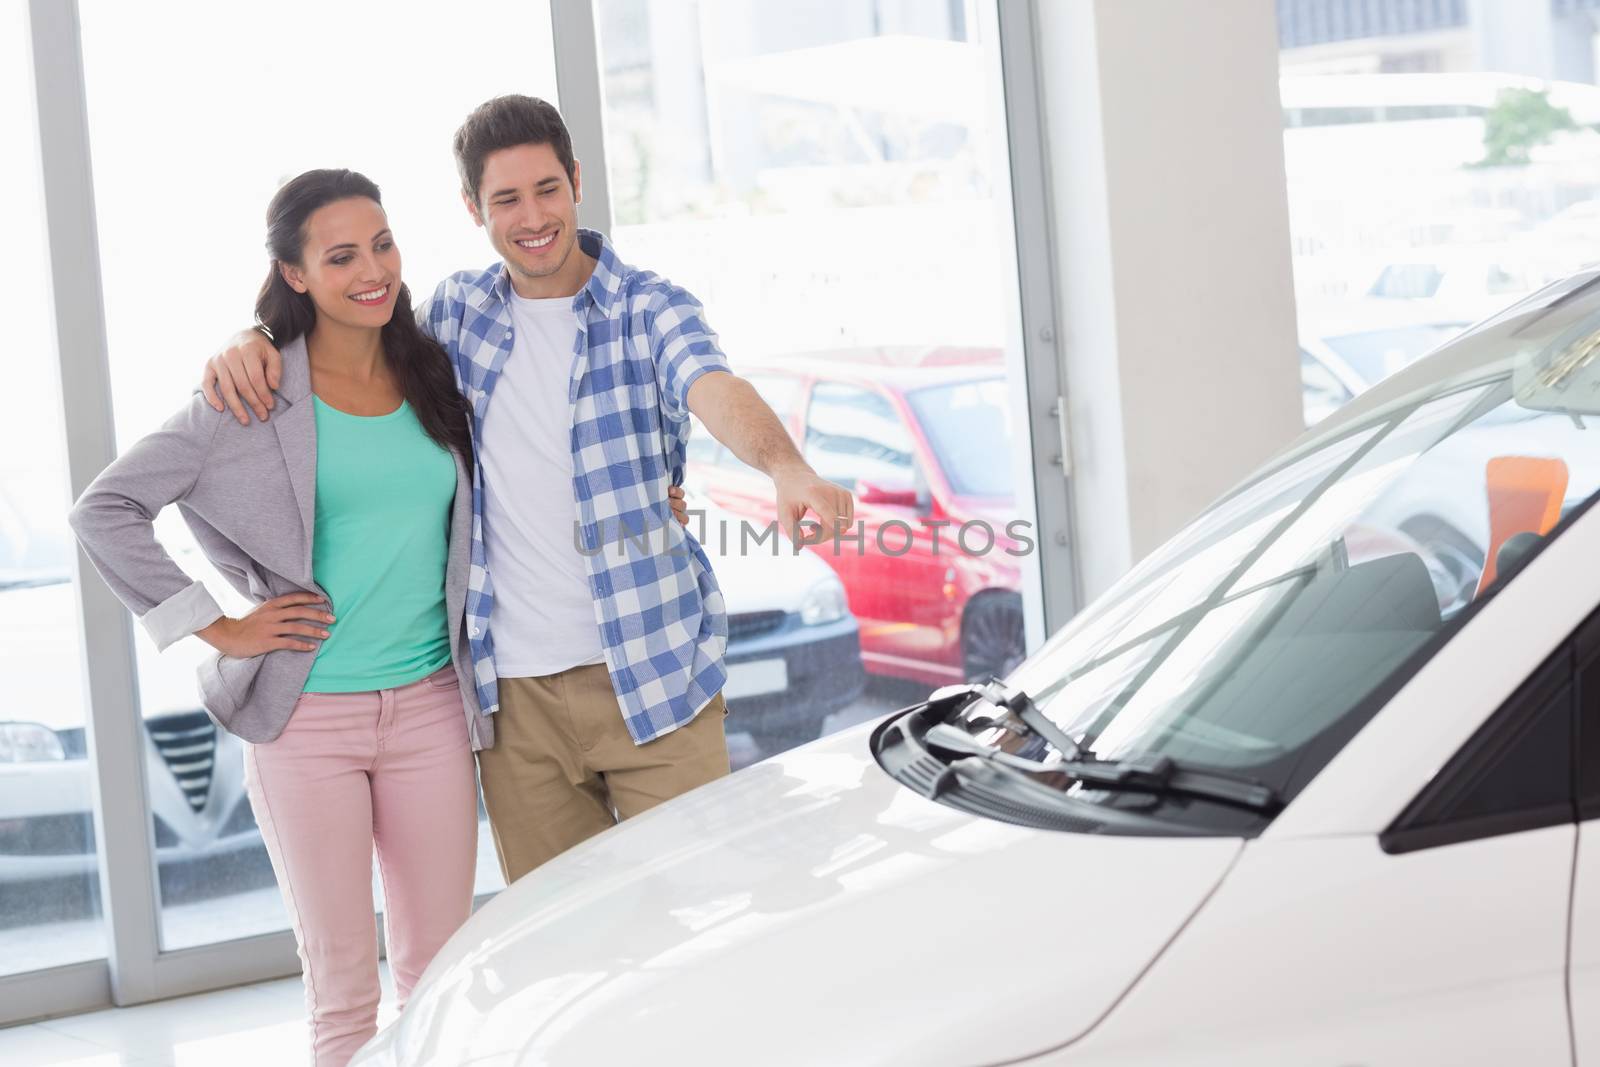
(1265, 802)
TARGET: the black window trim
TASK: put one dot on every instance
(1586, 667)
(1411, 832)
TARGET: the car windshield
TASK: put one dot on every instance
(1376, 354)
(968, 425)
(1255, 641)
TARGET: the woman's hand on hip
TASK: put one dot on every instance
(294, 622)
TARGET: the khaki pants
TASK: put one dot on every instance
(564, 767)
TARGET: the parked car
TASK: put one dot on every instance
(793, 656)
(193, 770)
(1264, 802)
(923, 439)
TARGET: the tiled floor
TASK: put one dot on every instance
(245, 1027)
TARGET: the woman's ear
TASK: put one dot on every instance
(294, 276)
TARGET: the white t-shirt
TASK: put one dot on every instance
(543, 620)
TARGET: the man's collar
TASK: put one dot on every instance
(497, 284)
(603, 287)
(605, 284)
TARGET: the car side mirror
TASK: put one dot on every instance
(868, 493)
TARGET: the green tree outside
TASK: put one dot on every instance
(1519, 121)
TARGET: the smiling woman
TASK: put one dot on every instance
(360, 726)
(278, 101)
(333, 250)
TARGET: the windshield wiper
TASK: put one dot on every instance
(1151, 774)
(945, 701)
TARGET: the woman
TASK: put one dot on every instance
(347, 519)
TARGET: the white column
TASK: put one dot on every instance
(580, 92)
(1172, 260)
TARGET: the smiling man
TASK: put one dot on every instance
(599, 653)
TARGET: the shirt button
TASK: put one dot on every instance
(476, 632)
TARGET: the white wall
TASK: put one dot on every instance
(1172, 231)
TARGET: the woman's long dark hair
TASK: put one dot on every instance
(418, 364)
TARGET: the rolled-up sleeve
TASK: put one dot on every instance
(684, 347)
(114, 517)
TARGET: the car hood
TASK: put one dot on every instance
(807, 910)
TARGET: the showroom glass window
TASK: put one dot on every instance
(183, 175)
(49, 867)
(829, 180)
(1443, 161)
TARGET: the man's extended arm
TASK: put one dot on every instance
(734, 413)
(694, 379)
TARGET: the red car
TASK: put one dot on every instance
(923, 439)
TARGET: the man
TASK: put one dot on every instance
(607, 644)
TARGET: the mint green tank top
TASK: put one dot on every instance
(380, 549)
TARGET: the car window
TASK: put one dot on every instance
(968, 425)
(1261, 638)
(854, 434)
(1514, 774)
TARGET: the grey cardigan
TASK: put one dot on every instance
(248, 493)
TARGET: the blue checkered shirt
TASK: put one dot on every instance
(641, 343)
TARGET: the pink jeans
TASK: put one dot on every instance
(391, 768)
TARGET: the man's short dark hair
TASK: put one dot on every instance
(505, 122)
